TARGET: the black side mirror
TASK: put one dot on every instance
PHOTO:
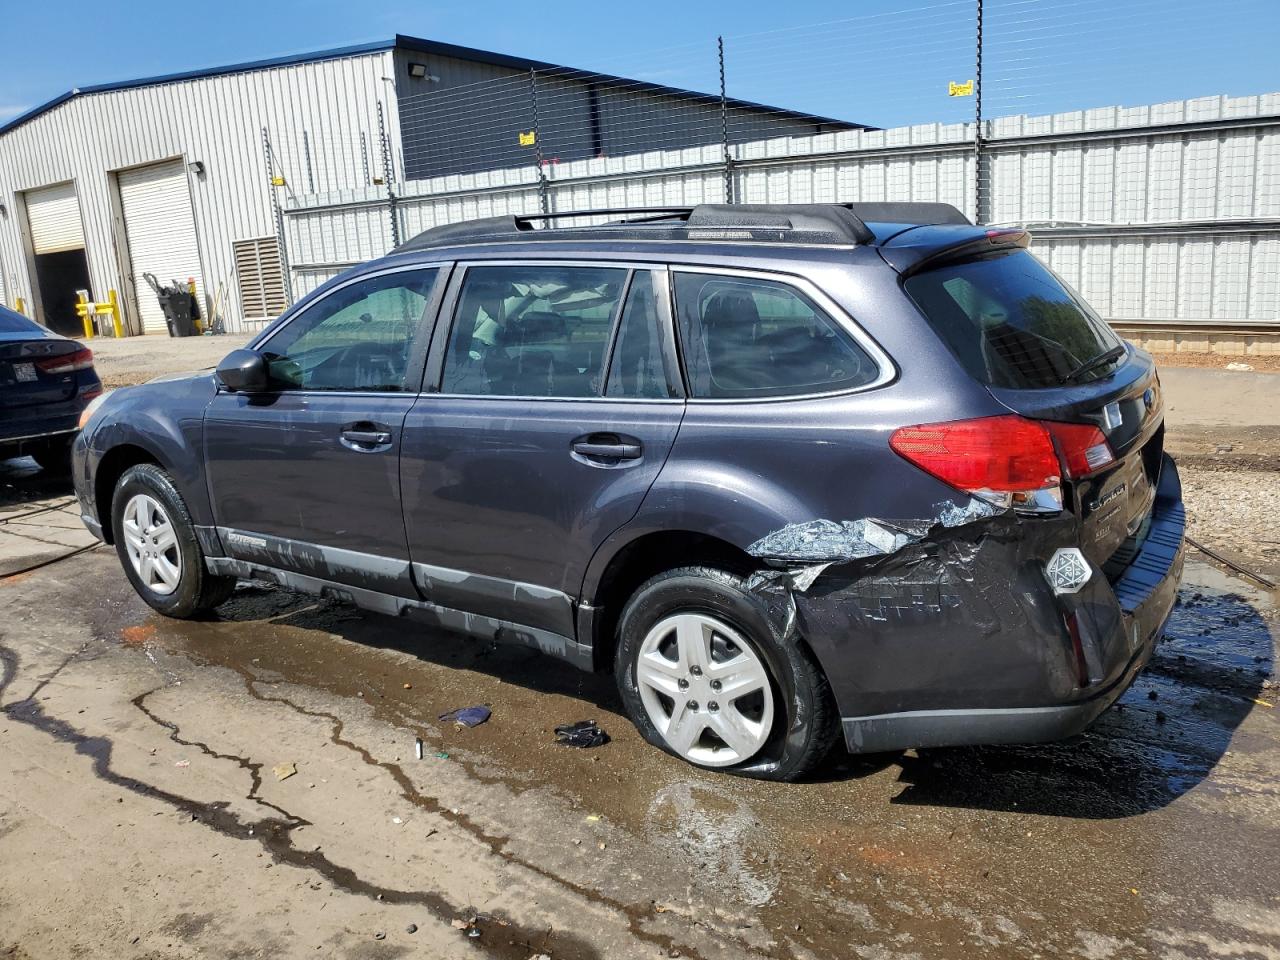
(243, 371)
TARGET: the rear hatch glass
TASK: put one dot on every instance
(1012, 323)
(1043, 352)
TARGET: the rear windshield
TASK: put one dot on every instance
(11, 322)
(1012, 323)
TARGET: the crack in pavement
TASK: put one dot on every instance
(636, 916)
(272, 834)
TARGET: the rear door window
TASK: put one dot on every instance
(753, 338)
(637, 369)
(1011, 322)
(532, 330)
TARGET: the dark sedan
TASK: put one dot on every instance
(46, 382)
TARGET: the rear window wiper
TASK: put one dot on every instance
(1115, 353)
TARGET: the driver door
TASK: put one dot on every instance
(305, 477)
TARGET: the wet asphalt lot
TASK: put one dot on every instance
(140, 815)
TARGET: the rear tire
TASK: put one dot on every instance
(54, 456)
(157, 545)
(690, 637)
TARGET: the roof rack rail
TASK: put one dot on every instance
(841, 223)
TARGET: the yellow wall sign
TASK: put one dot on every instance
(277, 181)
(960, 89)
(528, 139)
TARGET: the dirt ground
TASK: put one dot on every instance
(142, 814)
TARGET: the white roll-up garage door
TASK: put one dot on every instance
(54, 215)
(161, 232)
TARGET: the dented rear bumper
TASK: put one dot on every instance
(957, 638)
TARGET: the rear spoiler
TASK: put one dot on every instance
(924, 248)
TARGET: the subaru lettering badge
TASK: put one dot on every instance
(1067, 570)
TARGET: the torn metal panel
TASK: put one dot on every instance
(830, 541)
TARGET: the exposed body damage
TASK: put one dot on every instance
(928, 642)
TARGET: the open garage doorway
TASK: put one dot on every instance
(58, 255)
(60, 275)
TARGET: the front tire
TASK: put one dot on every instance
(156, 542)
(703, 676)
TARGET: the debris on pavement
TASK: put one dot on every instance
(467, 716)
(182, 763)
(584, 733)
(417, 748)
(284, 771)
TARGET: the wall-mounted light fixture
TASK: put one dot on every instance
(196, 167)
(419, 72)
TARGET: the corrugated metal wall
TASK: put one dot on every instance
(466, 117)
(1161, 213)
(216, 120)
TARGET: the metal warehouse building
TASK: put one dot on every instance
(182, 176)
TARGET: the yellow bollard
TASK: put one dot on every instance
(86, 314)
(114, 302)
(21, 306)
(191, 286)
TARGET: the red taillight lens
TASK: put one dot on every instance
(66, 363)
(1082, 448)
(1007, 454)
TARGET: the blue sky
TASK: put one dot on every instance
(883, 62)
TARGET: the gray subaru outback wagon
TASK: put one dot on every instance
(791, 473)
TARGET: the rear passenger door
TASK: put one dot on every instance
(551, 401)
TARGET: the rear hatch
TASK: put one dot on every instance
(36, 366)
(1042, 352)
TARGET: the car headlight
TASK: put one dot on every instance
(87, 414)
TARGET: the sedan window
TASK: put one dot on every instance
(356, 338)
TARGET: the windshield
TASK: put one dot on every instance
(1012, 323)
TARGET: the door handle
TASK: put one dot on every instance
(607, 447)
(370, 437)
(365, 437)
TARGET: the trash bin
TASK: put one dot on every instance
(179, 306)
(178, 313)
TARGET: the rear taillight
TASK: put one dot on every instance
(1009, 461)
(82, 359)
(1082, 448)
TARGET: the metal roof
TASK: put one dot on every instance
(418, 44)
